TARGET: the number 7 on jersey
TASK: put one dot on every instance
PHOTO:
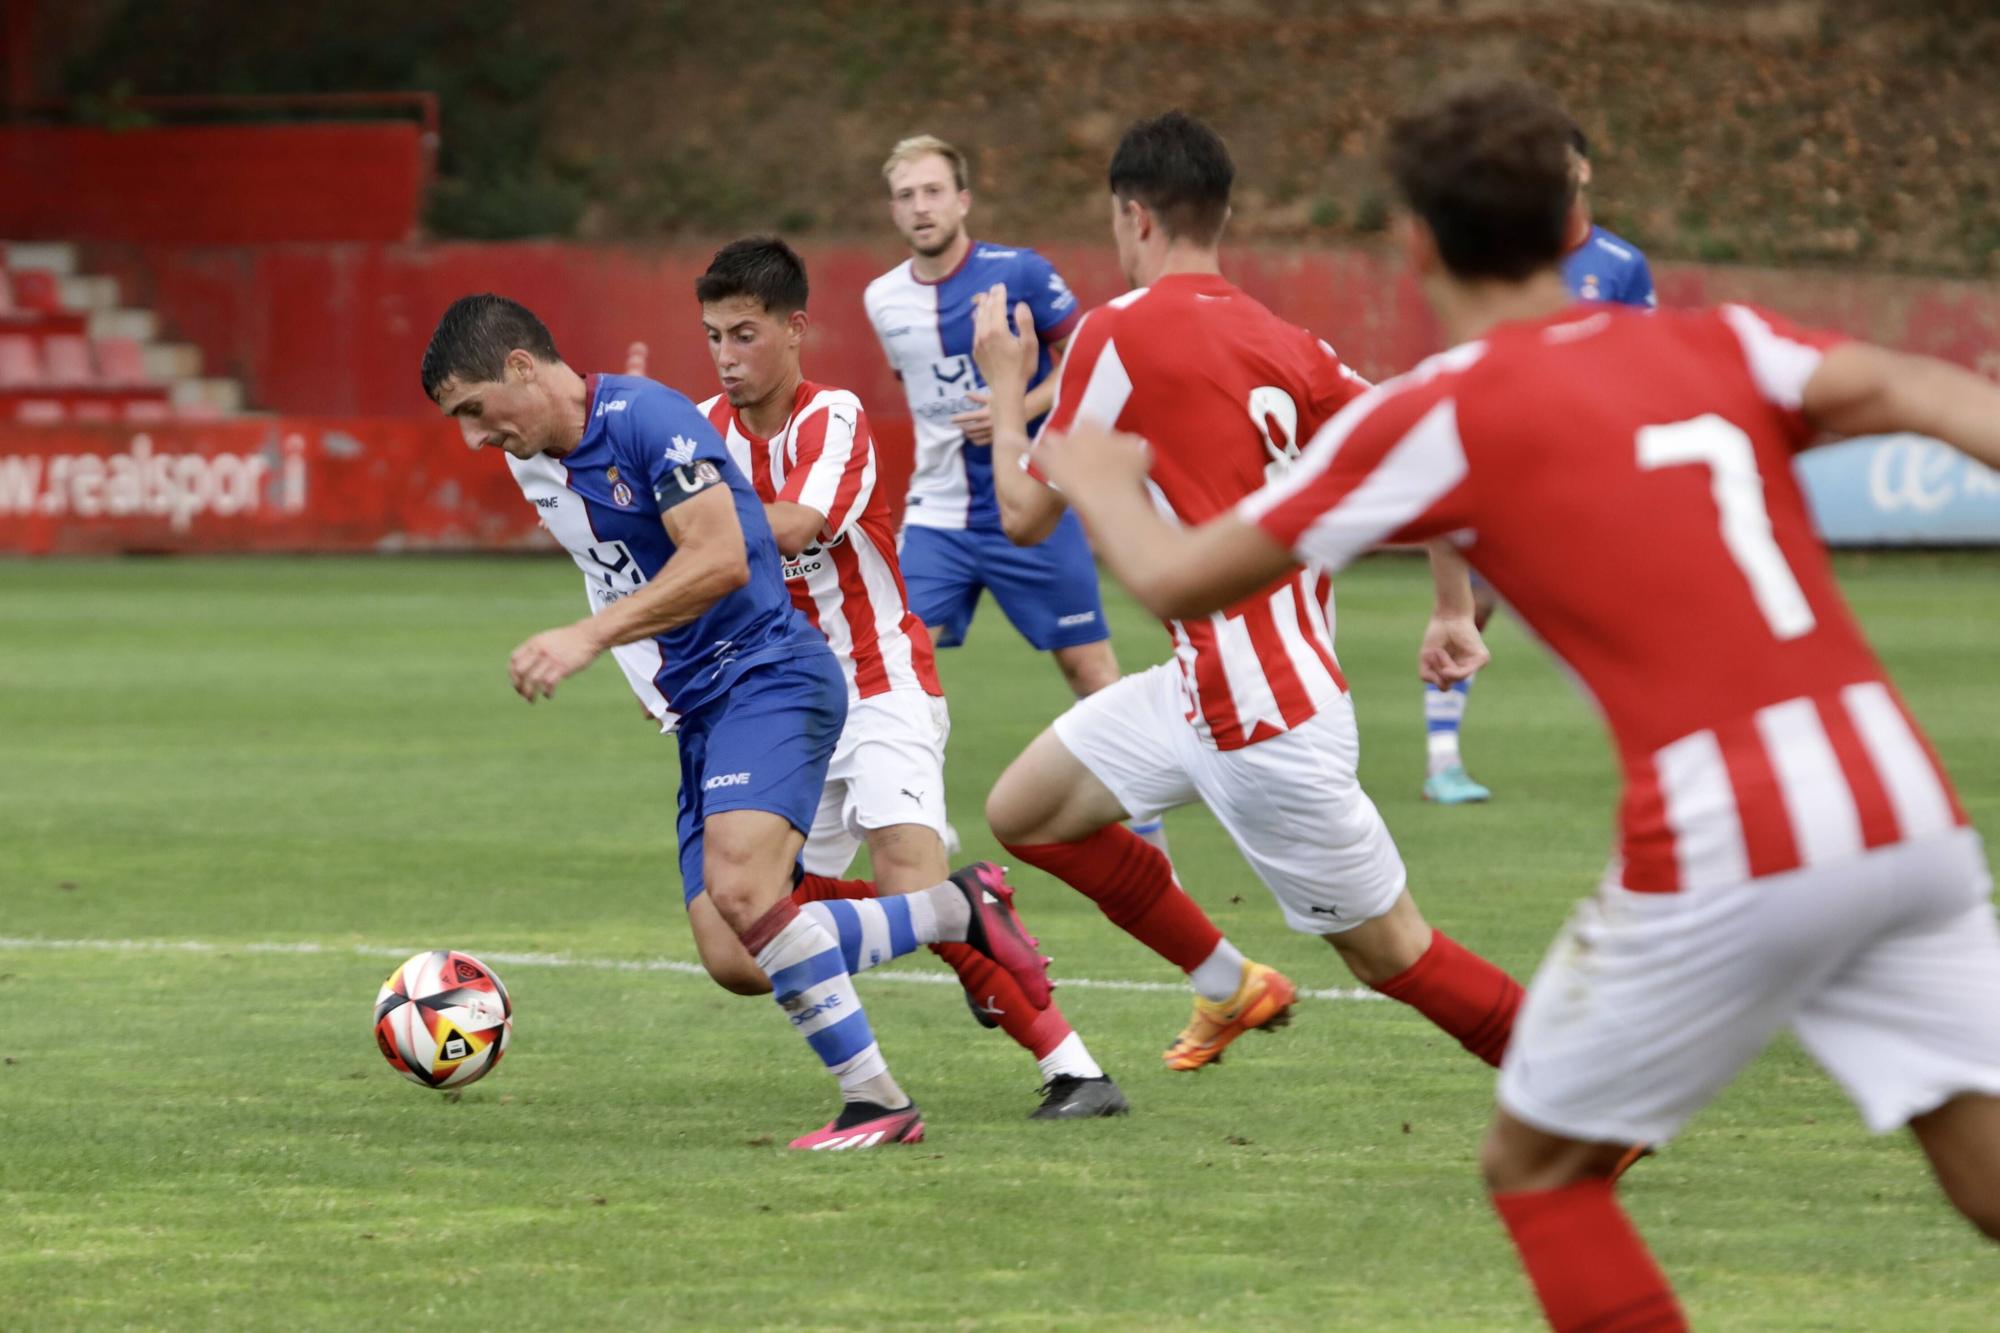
(1739, 500)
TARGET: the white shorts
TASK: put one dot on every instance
(1293, 803)
(1886, 966)
(888, 769)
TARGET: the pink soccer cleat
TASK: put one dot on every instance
(864, 1125)
(997, 931)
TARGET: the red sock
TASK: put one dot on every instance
(1590, 1269)
(1462, 993)
(993, 988)
(1132, 882)
(818, 888)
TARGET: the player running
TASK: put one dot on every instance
(1252, 716)
(687, 593)
(809, 455)
(1791, 854)
(1598, 265)
(953, 548)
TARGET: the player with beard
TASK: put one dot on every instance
(953, 548)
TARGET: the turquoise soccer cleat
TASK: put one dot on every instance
(1454, 787)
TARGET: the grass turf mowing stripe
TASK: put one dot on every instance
(514, 959)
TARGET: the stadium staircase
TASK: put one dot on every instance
(69, 352)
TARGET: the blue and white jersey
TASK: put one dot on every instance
(1607, 267)
(644, 450)
(926, 332)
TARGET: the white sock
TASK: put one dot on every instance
(1444, 713)
(1070, 1057)
(1153, 830)
(1220, 974)
(1443, 752)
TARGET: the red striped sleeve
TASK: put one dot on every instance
(832, 458)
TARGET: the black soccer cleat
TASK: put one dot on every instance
(1069, 1097)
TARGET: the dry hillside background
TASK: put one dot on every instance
(1852, 132)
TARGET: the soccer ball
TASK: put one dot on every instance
(443, 1019)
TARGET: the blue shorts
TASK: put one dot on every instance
(764, 745)
(1048, 591)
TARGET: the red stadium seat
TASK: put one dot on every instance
(39, 412)
(121, 361)
(35, 289)
(6, 293)
(19, 364)
(66, 360)
(93, 409)
(148, 411)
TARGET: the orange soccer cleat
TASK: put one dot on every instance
(1263, 1000)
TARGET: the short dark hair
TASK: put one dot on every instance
(474, 337)
(1486, 165)
(763, 267)
(1578, 140)
(1180, 169)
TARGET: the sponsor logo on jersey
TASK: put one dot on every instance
(725, 780)
(546, 502)
(681, 451)
(614, 405)
(991, 252)
(941, 408)
(1080, 618)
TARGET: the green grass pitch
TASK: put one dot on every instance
(271, 778)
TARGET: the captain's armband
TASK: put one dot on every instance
(685, 482)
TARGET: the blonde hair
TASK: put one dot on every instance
(923, 145)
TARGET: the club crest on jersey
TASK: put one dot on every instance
(621, 494)
(681, 451)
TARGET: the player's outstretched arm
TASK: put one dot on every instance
(1006, 358)
(1859, 389)
(1175, 572)
(709, 563)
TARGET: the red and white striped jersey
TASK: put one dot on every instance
(1625, 481)
(849, 582)
(1225, 392)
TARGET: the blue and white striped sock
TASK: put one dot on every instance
(871, 931)
(1444, 711)
(812, 986)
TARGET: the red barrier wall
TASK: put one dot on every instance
(266, 484)
(331, 337)
(339, 330)
(212, 185)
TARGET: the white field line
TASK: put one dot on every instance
(508, 959)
